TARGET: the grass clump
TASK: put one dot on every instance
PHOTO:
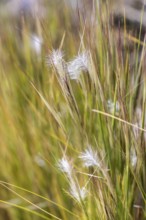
(72, 131)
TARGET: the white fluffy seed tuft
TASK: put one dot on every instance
(90, 158)
(64, 166)
(78, 193)
(77, 65)
(55, 58)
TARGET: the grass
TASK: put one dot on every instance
(71, 148)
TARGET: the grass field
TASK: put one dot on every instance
(72, 119)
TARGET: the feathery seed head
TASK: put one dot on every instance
(78, 193)
(80, 63)
(90, 158)
(55, 58)
(65, 166)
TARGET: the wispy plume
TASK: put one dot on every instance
(77, 65)
(56, 59)
(64, 166)
(73, 68)
(77, 192)
(90, 158)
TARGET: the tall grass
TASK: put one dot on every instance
(72, 131)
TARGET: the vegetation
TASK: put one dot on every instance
(72, 113)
